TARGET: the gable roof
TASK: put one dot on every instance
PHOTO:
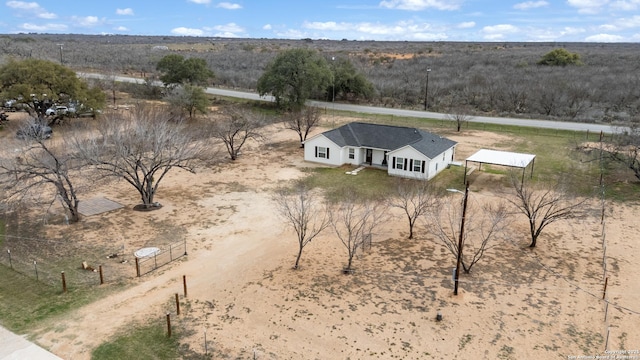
(389, 138)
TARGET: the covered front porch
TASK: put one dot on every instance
(374, 158)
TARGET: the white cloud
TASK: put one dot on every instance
(621, 24)
(608, 27)
(121, 28)
(47, 15)
(626, 5)
(399, 30)
(183, 31)
(86, 21)
(633, 22)
(43, 28)
(291, 34)
(127, 11)
(23, 5)
(494, 37)
(501, 28)
(267, 27)
(229, 28)
(417, 5)
(201, 2)
(588, 6)
(572, 31)
(530, 5)
(604, 38)
(430, 36)
(328, 25)
(31, 8)
(229, 6)
(549, 34)
(498, 32)
(466, 25)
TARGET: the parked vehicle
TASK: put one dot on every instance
(34, 131)
(57, 110)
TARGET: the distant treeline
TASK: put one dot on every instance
(494, 78)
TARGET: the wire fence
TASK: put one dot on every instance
(161, 257)
(67, 268)
(605, 275)
(25, 256)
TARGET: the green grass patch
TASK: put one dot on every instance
(370, 183)
(144, 342)
(25, 302)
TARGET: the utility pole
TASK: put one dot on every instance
(426, 91)
(460, 240)
(61, 60)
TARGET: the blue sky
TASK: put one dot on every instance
(412, 20)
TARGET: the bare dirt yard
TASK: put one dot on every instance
(518, 303)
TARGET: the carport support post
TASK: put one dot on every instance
(464, 180)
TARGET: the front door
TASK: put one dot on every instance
(369, 156)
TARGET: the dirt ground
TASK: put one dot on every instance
(517, 303)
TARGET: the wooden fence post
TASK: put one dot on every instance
(64, 283)
(177, 305)
(184, 284)
(101, 275)
(168, 325)
(137, 267)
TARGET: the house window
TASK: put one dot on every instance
(399, 164)
(322, 152)
(352, 153)
(417, 165)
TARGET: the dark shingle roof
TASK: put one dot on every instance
(389, 137)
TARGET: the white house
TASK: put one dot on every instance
(403, 151)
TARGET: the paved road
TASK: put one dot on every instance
(545, 124)
(14, 347)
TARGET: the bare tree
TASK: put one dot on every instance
(302, 121)
(141, 148)
(484, 224)
(41, 163)
(415, 198)
(304, 211)
(460, 117)
(626, 148)
(354, 222)
(543, 205)
(238, 126)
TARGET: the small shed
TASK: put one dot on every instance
(503, 158)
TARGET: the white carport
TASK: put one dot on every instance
(503, 158)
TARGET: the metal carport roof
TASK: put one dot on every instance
(503, 158)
